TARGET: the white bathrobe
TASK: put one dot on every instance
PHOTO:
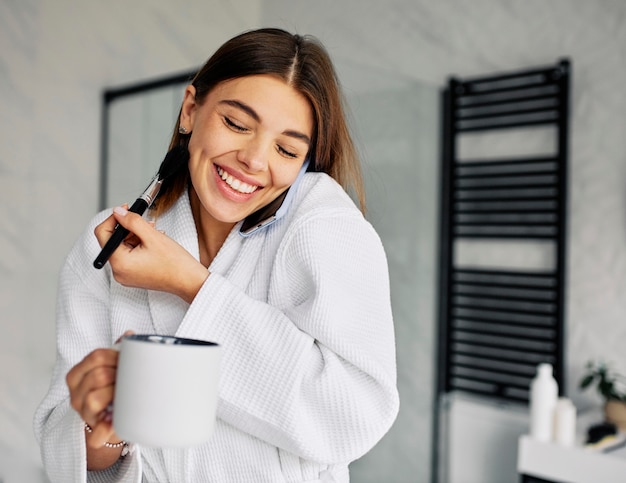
(302, 310)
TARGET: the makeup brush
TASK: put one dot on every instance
(174, 159)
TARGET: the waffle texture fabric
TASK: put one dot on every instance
(302, 310)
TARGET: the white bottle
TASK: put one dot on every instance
(543, 397)
(565, 422)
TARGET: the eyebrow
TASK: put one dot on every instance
(254, 115)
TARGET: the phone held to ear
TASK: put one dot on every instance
(274, 210)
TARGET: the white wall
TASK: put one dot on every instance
(56, 57)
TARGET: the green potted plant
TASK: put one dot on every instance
(612, 387)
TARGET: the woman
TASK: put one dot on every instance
(301, 307)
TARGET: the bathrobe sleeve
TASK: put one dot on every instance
(312, 369)
(82, 326)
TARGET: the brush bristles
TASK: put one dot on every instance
(175, 159)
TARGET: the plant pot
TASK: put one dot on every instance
(615, 412)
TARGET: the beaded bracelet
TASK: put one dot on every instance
(112, 445)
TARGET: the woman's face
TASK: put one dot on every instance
(249, 139)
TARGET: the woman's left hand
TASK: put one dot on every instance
(149, 259)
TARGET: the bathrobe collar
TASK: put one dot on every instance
(168, 310)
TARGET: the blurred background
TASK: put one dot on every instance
(393, 58)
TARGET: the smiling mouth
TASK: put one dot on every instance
(235, 183)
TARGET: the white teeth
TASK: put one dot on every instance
(234, 183)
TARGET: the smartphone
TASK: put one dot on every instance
(274, 210)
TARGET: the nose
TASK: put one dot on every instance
(254, 154)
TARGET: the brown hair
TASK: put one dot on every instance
(303, 63)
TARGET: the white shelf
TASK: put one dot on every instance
(575, 464)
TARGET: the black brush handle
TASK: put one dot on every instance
(139, 206)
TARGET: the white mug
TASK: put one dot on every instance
(166, 390)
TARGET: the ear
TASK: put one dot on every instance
(188, 108)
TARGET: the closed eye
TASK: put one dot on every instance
(234, 126)
(286, 153)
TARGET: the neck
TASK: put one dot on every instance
(212, 233)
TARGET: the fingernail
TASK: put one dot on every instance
(120, 210)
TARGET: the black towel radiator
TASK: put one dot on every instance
(496, 325)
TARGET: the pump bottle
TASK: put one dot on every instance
(543, 398)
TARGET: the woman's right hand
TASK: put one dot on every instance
(91, 383)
